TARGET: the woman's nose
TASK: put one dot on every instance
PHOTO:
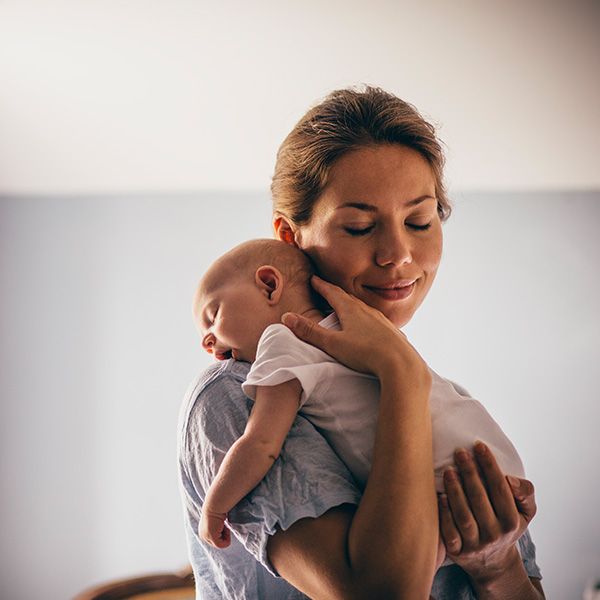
(208, 341)
(393, 249)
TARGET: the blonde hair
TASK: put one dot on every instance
(346, 120)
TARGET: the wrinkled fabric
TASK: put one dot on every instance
(343, 405)
(306, 480)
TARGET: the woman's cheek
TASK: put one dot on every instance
(430, 252)
(330, 270)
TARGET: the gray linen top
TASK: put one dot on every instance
(306, 480)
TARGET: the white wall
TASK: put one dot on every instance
(98, 347)
(102, 99)
(105, 96)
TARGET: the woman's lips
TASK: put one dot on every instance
(395, 292)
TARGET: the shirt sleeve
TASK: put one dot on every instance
(526, 549)
(306, 480)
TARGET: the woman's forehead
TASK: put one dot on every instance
(378, 174)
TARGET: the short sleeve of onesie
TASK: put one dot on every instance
(281, 357)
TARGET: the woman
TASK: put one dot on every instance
(358, 186)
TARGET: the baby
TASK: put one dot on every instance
(237, 309)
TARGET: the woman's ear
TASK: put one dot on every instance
(284, 229)
(269, 280)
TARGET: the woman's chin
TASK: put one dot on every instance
(398, 315)
(399, 323)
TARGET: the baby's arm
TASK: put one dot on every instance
(250, 457)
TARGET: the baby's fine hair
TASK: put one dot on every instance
(247, 257)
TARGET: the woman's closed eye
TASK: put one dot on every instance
(357, 231)
(419, 226)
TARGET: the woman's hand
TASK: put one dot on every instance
(482, 516)
(368, 342)
(399, 498)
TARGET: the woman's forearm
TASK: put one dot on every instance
(394, 534)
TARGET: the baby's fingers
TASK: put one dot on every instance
(223, 539)
(219, 537)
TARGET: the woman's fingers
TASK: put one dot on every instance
(524, 495)
(448, 529)
(367, 342)
(335, 296)
(476, 495)
(307, 330)
(331, 292)
(461, 511)
(500, 493)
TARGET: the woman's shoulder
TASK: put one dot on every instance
(219, 374)
(215, 399)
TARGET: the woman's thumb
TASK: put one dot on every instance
(305, 329)
(524, 494)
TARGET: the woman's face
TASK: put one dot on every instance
(375, 230)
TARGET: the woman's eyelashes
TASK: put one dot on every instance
(419, 227)
(357, 231)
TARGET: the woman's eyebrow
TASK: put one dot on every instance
(373, 208)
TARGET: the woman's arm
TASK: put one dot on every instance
(387, 546)
(250, 457)
(481, 520)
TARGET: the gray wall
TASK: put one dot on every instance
(98, 346)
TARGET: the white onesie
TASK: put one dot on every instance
(343, 405)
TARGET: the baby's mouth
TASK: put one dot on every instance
(224, 355)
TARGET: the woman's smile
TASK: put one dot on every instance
(375, 230)
(393, 291)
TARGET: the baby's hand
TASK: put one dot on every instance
(212, 529)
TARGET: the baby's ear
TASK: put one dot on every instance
(270, 281)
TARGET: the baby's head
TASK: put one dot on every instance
(247, 289)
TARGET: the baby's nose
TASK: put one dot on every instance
(208, 342)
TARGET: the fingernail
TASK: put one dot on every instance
(289, 319)
(443, 500)
(480, 448)
(462, 456)
(514, 481)
(450, 474)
